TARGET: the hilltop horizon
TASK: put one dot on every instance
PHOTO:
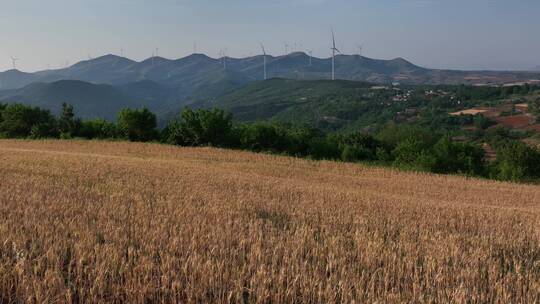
(291, 54)
(170, 59)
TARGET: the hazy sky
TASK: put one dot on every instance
(460, 34)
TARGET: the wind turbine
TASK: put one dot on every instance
(310, 52)
(286, 49)
(360, 48)
(224, 52)
(334, 50)
(14, 61)
(264, 58)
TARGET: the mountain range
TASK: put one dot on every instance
(198, 71)
(100, 86)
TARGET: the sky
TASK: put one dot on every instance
(455, 34)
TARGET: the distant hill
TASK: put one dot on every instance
(325, 104)
(89, 100)
(15, 79)
(198, 73)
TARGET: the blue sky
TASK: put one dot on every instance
(460, 34)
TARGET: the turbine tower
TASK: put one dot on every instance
(14, 62)
(264, 58)
(310, 52)
(334, 51)
(224, 58)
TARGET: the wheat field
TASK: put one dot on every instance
(101, 222)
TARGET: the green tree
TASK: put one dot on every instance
(68, 125)
(393, 134)
(98, 128)
(481, 122)
(455, 157)
(516, 161)
(137, 124)
(358, 146)
(201, 128)
(413, 154)
(19, 121)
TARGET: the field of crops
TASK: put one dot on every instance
(85, 221)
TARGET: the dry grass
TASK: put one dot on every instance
(121, 222)
(469, 112)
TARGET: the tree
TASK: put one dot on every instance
(19, 121)
(393, 134)
(2, 108)
(517, 161)
(68, 125)
(98, 128)
(413, 154)
(201, 128)
(481, 122)
(137, 124)
(455, 157)
(358, 146)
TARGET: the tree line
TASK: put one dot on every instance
(403, 146)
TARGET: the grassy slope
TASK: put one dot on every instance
(112, 220)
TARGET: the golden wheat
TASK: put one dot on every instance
(85, 221)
